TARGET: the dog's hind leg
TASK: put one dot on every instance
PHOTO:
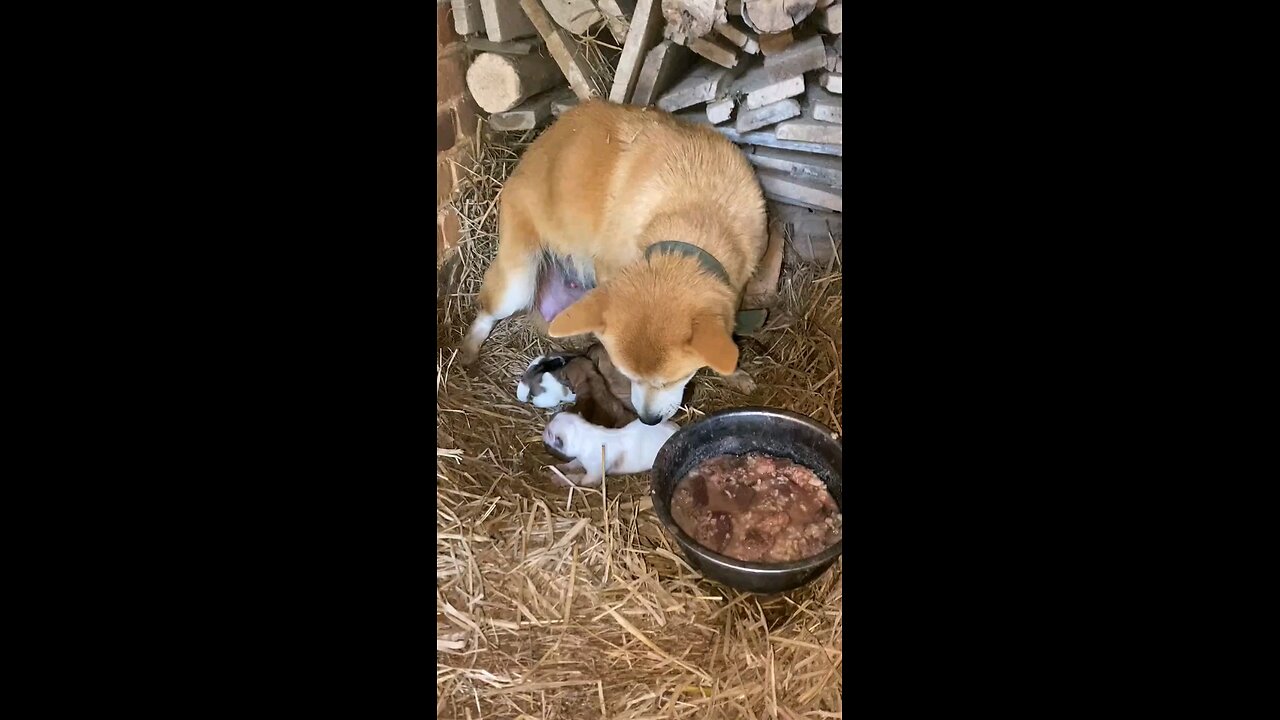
(511, 281)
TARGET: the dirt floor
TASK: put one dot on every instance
(558, 603)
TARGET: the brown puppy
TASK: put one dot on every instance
(598, 189)
(595, 401)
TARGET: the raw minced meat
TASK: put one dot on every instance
(757, 508)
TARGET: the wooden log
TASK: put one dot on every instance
(733, 7)
(786, 188)
(774, 43)
(645, 31)
(764, 138)
(830, 18)
(503, 20)
(715, 49)
(803, 56)
(529, 114)
(567, 53)
(662, 66)
(687, 19)
(833, 82)
(576, 16)
(773, 114)
(775, 16)
(824, 106)
(823, 169)
(468, 18)
(513, 47)
(808, 129)
(563, 104)
(705, 83)
(501, 82)
(719, 110)
(761, 88)
(738, 35)
(617, 16)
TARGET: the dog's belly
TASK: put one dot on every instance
(556, 291)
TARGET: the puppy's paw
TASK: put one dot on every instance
(740, 381)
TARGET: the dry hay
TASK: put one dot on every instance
(556, 603)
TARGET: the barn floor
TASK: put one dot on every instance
(574, 604)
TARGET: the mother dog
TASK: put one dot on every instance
(665, 218)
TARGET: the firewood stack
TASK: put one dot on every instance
(765, 73)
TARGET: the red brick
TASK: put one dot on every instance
(451, 76)
(446, 130)
(444, 26)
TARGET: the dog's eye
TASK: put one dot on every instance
(557, 441)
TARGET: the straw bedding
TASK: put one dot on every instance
(574, 603)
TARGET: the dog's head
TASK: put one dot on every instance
(658, 334)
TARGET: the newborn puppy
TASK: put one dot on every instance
(595, 403)
(619, 385)
(543, 384)
(631, 449)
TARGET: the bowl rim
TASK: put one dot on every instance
(664, 511)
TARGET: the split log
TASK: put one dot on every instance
(719, 111)
(761, 88)
(504, 21)
(833, 82)
(715, 49)
(707, 82)
(765, 138)
(661, 67)
(772, 114)
(687, 19)
(567, 53)
(576, 16)
(808, 129)
(646, 30)
(513, 47)
(775, 16)
(831, 18)
(501, 82)
(825, 106)
(789, 189)
(801, 57)
(531, 113)
(468, 18)
(815, 235)
(806, 166)
(617, 16)
(736, 34)
(775, 43)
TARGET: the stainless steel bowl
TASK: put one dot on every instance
(735, 432)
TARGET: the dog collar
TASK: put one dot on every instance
(704, 258)
(747, 321)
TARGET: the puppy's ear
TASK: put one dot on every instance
(714, 344)
(584, 316)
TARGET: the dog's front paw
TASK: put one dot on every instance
(740, 381)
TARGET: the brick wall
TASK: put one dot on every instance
(456, 114)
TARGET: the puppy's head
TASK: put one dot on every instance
(658, 333)
(559, 433)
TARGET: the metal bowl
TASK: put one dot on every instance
(737, 431)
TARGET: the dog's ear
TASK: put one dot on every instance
(584, 316)
(714, 344)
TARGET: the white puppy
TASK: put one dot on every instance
(630, 449)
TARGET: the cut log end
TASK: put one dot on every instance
(775, 16)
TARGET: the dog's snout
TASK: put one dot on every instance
(650, 419)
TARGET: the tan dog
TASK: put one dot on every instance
(598, 189)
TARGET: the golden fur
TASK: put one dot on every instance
(601, 185)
